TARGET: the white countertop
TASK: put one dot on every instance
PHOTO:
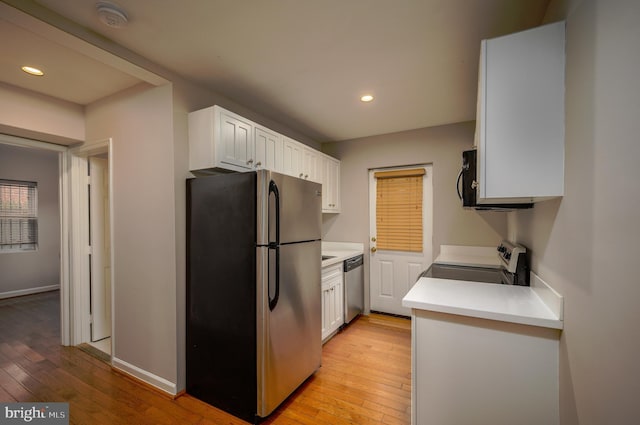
(536, 305)
(340, 251)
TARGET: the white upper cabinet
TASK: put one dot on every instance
(520, 121)
(269, 150)
(220, 139)
(312, 165)
(293, 158)
(330, 184)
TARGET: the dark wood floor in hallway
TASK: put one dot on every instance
(365, 376)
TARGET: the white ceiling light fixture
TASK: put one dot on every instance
(111, 15)
(366, 98)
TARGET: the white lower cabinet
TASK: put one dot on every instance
(332, 300)
(468, 370)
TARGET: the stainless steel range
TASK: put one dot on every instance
(513, 268)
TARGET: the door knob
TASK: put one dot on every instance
(373, 249)
(373, 239)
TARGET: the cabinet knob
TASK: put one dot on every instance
(259, 164)
(301, 174)
(249, 162)
(306, 176)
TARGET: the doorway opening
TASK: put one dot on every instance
(401, 233)
(92, 274)
(31, 274)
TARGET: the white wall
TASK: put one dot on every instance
(24, 272)
(140, 122)
(31, 115)
(586, 244)
(441, 146)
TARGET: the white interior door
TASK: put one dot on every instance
(100, 274)
(393, 273)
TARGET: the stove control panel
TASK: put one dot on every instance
(511, 254)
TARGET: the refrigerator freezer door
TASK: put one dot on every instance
(289, 336)
(300, 209)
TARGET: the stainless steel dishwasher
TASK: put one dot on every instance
(353, 288)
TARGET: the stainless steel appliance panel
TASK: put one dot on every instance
(353, 288)
(299, 201)
(289, 349)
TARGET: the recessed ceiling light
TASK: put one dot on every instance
(32, 71)
(366, 98)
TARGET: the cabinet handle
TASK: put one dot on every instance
(306, 176)
(249, 162)
(258, 164)
(301, 174)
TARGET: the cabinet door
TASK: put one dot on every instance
(338, 302)
(312, 165)
(293, 157)
(330, 185)
(332, 300)
(327, 307)
(236, 141)
(521, 115)
(269, 150)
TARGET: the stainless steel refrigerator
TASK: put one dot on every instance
(253, 289)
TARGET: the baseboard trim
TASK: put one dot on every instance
(29, 291)
(146, 377)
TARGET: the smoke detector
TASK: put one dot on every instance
(111, 15)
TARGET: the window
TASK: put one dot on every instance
(18, 215)
(399, 210)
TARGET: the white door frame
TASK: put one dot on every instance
(79, 234)
(427, 214)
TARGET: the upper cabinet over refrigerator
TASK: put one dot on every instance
(520, 117)
(221, 141)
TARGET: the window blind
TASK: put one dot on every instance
(18, 215)
(399, 210)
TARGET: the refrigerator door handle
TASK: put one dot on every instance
(273, 188)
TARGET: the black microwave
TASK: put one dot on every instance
(467, 186)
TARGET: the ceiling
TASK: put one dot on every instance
(302, 63)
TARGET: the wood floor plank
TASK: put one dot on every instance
(365, 377)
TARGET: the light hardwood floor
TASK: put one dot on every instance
(365, 376)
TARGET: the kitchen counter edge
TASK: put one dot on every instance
(536, 305)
